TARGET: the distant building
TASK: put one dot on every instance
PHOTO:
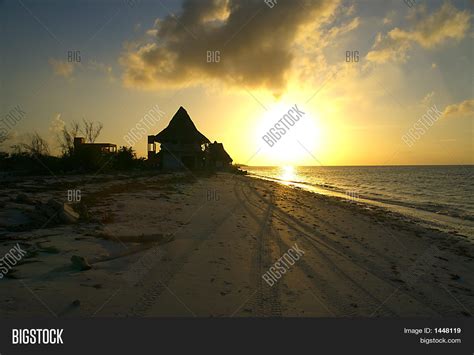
(217, 157)
(182, 146)
(80, 144)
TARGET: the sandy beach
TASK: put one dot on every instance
(177, 245)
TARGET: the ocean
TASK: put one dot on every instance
(437, 196)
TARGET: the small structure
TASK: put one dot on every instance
(181, 144)
(80, 144)
(217, 157)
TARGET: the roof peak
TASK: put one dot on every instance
(181, 127)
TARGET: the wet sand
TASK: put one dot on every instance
(174, 245)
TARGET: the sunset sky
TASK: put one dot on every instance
(137, 54)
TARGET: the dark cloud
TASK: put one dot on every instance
(256, 43)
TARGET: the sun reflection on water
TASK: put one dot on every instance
(288, 173)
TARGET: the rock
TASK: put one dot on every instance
(80, 263)
(68, 215)
(56, 211)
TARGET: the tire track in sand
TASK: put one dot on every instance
(266, 301)
(377, 303)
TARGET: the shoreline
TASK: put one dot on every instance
(429, 219)
(171, 245)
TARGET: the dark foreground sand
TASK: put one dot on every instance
(169, 245)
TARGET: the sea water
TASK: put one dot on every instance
(440, 196)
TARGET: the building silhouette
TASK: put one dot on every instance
(182, 146)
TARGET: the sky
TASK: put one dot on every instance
(374, 83)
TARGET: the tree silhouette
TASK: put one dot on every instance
(89, 129)
(36, 146)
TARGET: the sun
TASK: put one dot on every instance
(289, 134)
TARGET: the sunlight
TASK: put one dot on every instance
(289, 134)
(288, 173)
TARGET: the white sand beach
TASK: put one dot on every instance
(172, 245)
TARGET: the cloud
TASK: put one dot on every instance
(103, 68)
(447, 23)
(388, 19)
(57, 124)
(337, 31)
(62, 68)
(427, 101)
(387, 49)
(464, 108)
(152, 32)
(257, 44)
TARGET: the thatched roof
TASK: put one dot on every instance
(181, 128)
(218, 153)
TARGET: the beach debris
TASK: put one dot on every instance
(55, 211)
(80, 263)
(68, 215)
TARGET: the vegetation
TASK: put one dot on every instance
(33, 156)
(89, 130)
